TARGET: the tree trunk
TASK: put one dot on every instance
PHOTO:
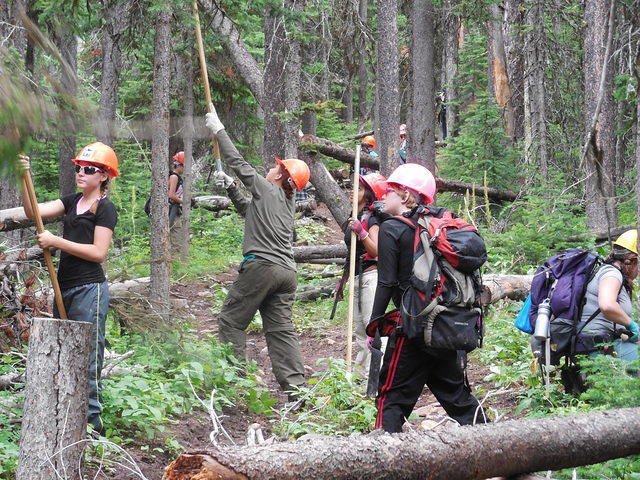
(450, 65)
(363, 72)
(514, 48)
(498, 77)
(293, 80)
(275, 81)
(326, 187)
(67, 43)
(160, 254)
(600, 185)
(246, 65)
(497, 287)
(187, 138)
(535, 128)
(312, 144)
(387, 86)
(15, 219)
(116, 21)
(468, 453)
(55, 406)
(421, 116)
(315, 252)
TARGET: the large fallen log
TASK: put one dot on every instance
(317, 252)
(15, 219)
(468, 453)
(602, 236)
(311, 143)
(497, 287)
(214, 203)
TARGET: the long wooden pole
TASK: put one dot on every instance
(205, 78)
(28, 185)
(352, 257)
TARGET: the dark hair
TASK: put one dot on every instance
(369, 196)
(619, 253)
(287, 183)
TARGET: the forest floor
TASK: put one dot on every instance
(192, 431)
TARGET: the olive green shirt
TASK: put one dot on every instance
(268, 227)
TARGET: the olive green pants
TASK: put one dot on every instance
(269, 288)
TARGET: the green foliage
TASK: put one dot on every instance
(335, 405)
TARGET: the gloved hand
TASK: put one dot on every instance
(222, 179)
(370, 343)
(339, 290)
(633, 327)
(212, 120)
(358, 228)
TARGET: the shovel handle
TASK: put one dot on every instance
(31, 193)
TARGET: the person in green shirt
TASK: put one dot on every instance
(267, 279)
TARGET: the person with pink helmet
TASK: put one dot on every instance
(408, 364)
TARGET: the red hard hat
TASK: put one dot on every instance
(369, 140)
(414, 177)
(179, 158)
(99, 154)
(376, 183)
(298, 171)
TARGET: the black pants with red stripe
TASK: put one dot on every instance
(408, 366)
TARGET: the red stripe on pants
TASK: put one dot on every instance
(391, 373)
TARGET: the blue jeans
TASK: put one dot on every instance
(89, 303)
(627, 351)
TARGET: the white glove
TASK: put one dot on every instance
(212, 120)
(222, 179)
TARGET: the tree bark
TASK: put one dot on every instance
(116, 21)
(387, 86)
(363, 72)
(514, 48)
(421, 115)
(312, 144)
(159, 291)
(468, 453)
(67, 43)
(328, 190)
(600, 155)
(535, 128)
(55, 408)
(498, 76)
(293, 80)
(246, 65)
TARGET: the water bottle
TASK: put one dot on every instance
(541, 332)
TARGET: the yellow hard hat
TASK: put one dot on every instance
(628, 240)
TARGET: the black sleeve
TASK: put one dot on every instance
(68, 201)
(106, 215)
(388, 260)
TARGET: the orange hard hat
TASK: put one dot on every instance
(179, 158)
(99, 154)
(369, 140)
(298, 171)
(376, 183)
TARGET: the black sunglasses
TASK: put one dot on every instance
(88, 170)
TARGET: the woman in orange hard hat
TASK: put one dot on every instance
(89, 221)
(267, 280)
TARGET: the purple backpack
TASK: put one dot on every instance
(563, 278)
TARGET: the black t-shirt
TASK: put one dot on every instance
(75, 271)
(395, 263)
(365, 261)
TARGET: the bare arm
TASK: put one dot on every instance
(93, 252)
(173, 186)
(371, 242)
(608, 301)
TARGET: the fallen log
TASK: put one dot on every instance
(322, 289)
(15, 219)
(497, 287)
(311, 143)
(214, 203)
(601, 236)
(501, 449)
(316, 252)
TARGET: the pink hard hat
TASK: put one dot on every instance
(414, 177)
(403, 129)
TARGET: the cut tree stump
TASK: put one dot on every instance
(469, 453)
(55, 406)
